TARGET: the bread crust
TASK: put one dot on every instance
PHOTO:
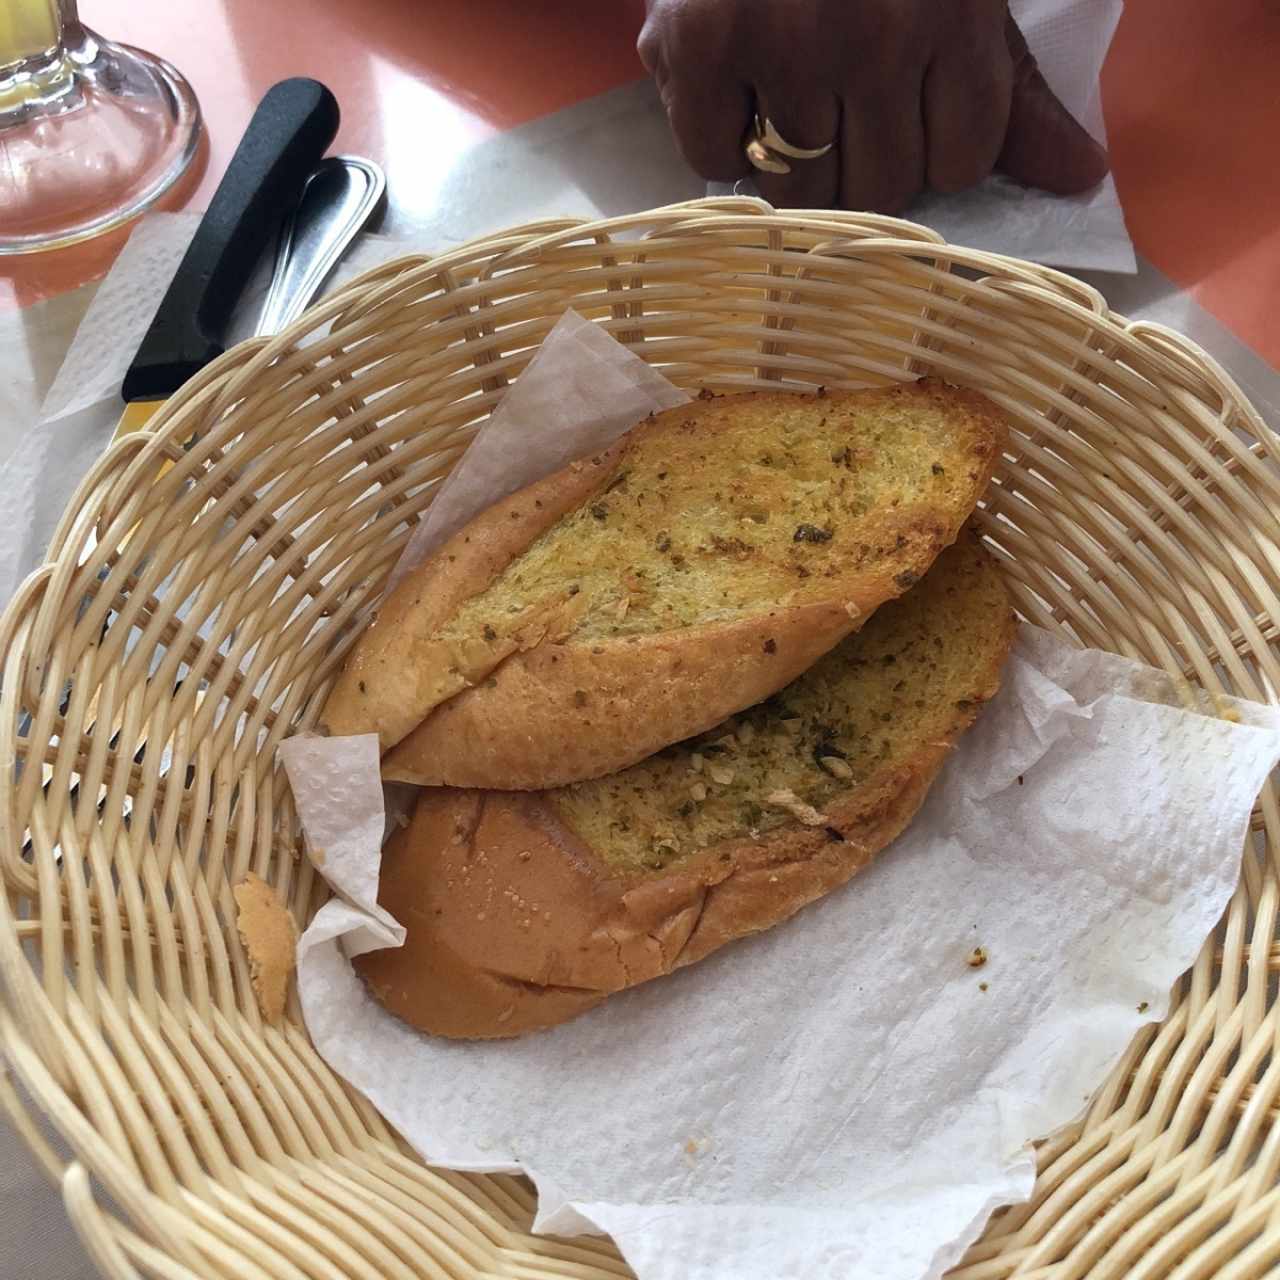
(542, 707)
(514, 924)
(398, 671)
(560, 713)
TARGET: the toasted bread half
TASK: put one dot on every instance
(523, 910)
(639, 596)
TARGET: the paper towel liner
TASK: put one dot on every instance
(841, 1095)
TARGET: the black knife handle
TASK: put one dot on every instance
(290, 131)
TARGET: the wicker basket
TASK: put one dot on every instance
(190, 618)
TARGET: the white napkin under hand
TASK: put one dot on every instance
(843, 1095)
(1069, 39)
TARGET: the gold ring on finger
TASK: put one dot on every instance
(766, 148)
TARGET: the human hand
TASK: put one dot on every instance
(914, 94)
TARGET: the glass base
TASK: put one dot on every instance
(89, 139)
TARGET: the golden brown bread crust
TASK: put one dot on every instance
(396, 674)
(564, 712)
(514, 926)
(515, 923)
(543, 706)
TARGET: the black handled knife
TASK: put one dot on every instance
(289, 133)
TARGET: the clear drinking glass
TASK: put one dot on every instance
(91, 132)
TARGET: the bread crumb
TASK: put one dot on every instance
(267, 930)
(1143, 1007)
(796, 807)
(720, 774)
(977, 958)
(695, 762)
(525, 855)
(317, 856)
(698, 791)
(852, 610)
(982, 986)
(746, 733)
(836, 767)
(728, 741)
(694, 1147)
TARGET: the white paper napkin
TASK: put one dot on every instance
(843, 1095)
(1070, 39)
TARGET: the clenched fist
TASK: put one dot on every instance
(914, 94)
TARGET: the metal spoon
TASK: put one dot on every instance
(338, 200)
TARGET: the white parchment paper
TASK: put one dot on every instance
(580, 375)
(843, 1095)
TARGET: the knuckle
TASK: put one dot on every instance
(688, 33)
(648, 47)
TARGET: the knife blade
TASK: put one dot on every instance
(290, 131)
